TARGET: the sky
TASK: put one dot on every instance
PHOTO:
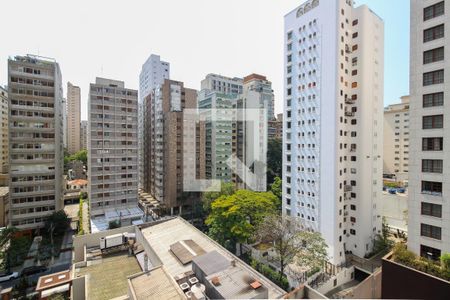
(113, 38)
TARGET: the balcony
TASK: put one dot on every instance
(348, 188)
(349, 101)
(349, 114)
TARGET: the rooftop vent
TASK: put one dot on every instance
(215, 281)
(256, 284)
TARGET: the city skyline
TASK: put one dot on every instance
(190, 65)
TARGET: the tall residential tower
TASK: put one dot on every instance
(429, 181)
(113, 153)
(73, 118)
(333, 123)
(35, 140)
(154, 72)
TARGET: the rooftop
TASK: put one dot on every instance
(78, 182)
(107, 275)
(155, 284)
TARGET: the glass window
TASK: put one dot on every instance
(433, 55)
(433, 122)
(432, 165)
(435, 99)
(430, 209)
(432, 144)
(433, 33)
(434, 77)
(433, 11)
(430, 231)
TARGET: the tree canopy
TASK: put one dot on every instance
(274, 160)
(226, 189)
(60, 221)
(233, 218)
(80, 155)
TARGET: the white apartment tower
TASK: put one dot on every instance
(73, 118)
(333, 123)
(396, 139)
(429, 182)
(112, 153)
(36, 152)
(152, 75)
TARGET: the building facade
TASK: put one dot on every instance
(4, 131)
(396, 139)
(333, 123)
(73, 118)
(219, 83)
(429, 180)
(276, 128)
(83, 134)
(153, 73)
(218, 133)
(164, 164)
(35, 140)
(112, 152)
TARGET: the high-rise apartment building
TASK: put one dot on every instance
(396, 140)
(112, 153)
(276, 128)
(333, 123)
(73, 118)
(219, 83)
(64, 121)
(35, 140)
(216, 107)
(153, 73)
(429, 180)
(4, 131)
(83, 134)
(164, 164)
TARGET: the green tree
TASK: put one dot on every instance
(233, 218)
(60, 221)
(226, 189)
(276, 188)
(274, 160)
(284, 235)
(313, 250)
(445, 261)
(6, 237)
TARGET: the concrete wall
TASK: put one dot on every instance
(401, 282)
(342, 277)
(79, 288)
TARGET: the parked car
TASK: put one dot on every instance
(8, 276)
(33, 270)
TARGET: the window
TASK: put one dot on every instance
(354, 85)
(429, 252)
(433, 122)
(354, 47)
(430, 231)
(435, 99)
(433, 33)
(433, 55)
(432, 165)
(355, 22)
(431, 187)
(434, 77)
(430, 209)
(352, 231)
(355, 35)
(289, 35)
(433, 11)
(432, 144)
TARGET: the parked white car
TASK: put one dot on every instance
(8, 276)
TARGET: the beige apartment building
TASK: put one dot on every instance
(73, 118)
(164, 149)
(4, 137)
(83, 135)
(112, 154)
(396, 139)
(35, 140)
